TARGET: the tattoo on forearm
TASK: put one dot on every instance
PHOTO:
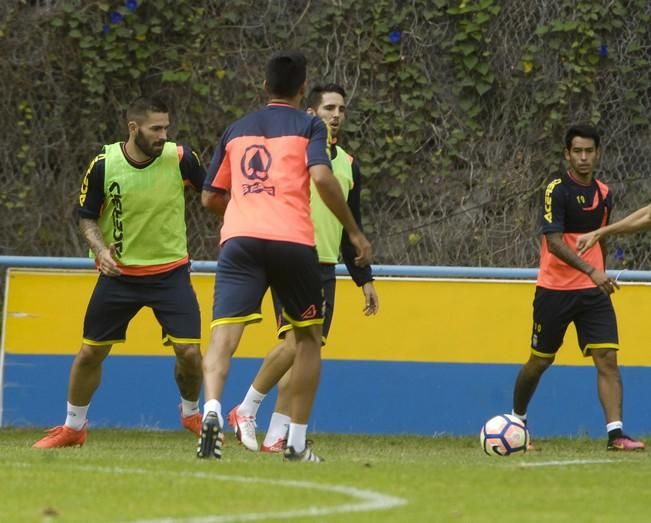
(92, 234)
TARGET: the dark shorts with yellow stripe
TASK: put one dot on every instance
(116, 300)
(247, 267)
(590, 310)
(329, 282)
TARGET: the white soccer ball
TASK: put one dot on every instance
(504, 435)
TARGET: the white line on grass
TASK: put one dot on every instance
(365, 500)
(562, 463)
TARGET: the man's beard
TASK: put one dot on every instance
(147, 148)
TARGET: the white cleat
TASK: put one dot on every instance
(244, 428)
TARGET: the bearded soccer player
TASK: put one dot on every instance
(260, 180)
(132, 215)
(571, 289)
(329, 103)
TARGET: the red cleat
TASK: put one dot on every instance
(192, 423)
(277, 446)
(62, 436)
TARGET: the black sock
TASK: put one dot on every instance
(614, 434)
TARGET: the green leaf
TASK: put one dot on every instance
(467, 49)
(470, 62)
(395, 191)
(392, 57)
(87, 43)
(481, 18)
(201, 88)
(482, 87)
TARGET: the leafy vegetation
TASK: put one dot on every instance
(457, 108)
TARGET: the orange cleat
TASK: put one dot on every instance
(192, 423)
(62, 436)
(277, 446)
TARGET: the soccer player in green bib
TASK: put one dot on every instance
(132, 215)
(328, 102)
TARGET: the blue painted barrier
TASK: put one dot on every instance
(378, 397)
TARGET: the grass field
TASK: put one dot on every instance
(153, 477)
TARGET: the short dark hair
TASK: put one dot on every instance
(583, 131)
(138, 108)
(285, 73)
(315, 95)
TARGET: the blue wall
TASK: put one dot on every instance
(354, 396)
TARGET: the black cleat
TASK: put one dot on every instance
(212, 438)
(306, 455)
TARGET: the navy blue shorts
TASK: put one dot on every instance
(117, 299)
(590, 310)
(329, 282)
(247, 267)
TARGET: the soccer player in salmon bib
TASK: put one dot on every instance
(259, 179)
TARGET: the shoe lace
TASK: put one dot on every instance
(54, 431)
(248, 426)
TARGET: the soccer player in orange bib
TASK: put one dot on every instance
(328, 102)
(259, 179)
(571, 289)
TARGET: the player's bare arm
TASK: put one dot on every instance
(636, 221)
(561, 250)
(331, 194)
(215, 201)
(105, 254)
(371, 300)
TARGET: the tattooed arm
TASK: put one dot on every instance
(91, 199)
(105, 254)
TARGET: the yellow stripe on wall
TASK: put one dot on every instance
(463, 321)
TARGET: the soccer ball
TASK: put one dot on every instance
(504, 435)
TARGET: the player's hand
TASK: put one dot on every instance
(106, 261)
(586, 241)
(372, 303)
(606, 284)
(363, 248)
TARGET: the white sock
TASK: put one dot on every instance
(278, 428)
(521, 417)
(251, 403)
(189, 408)
(296, 437)
(614, 425)
(76, 416)
(213, 406)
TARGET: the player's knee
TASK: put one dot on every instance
(91, 355)
(539, 364)
(605, 360)
(188, 354)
